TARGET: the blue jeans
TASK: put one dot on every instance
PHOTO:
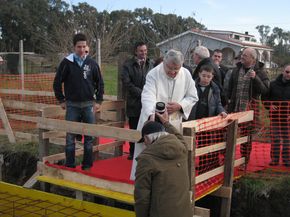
(85, 115)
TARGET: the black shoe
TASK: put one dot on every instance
(85, 167)
(273, 163)
(130, 157)
(70, 166)
(79, 137)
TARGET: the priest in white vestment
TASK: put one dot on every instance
(172, 84)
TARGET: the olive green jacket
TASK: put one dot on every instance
(162, 181)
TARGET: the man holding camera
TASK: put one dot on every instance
(171, 84)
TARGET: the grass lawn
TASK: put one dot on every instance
(110, 75)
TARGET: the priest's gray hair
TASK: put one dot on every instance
(202, 52)
(154, 136)
(174, 56)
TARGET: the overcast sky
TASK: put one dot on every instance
(239, 16)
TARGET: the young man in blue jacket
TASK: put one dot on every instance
(82, 96)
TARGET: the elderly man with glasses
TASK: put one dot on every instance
(249, 80)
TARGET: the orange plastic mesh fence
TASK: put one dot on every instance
(36, 88)
(266, 152)
(271, 134)
(269, 131)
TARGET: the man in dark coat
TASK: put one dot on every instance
(279, 105)
(133, 76)
(162, 179)
(217, 58)
(248, 80)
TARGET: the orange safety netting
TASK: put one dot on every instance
(35, 88)
(266, 152)
(268, 147)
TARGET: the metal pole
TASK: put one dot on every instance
(21, 64)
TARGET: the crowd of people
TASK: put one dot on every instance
(210, 89)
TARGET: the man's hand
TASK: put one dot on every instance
(252, 74)
(223, 114)
(172, 107)
(63, 105)
(97, 107)
(163, 117)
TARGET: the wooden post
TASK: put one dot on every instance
(21, 65)
(120, 96)
(6, 123)
(43, 146)
(229, 166)
(191, 163)
(1, 163)
(98, 52)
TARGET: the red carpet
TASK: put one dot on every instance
(118, 169)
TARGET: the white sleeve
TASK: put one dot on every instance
(190, 97)
(149, 95)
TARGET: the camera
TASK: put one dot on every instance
(159, 108)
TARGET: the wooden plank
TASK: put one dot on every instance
(216, 171)
(26, 136)
(127, 198)
(79, 152)
(85, 179)
(109, 116)
(113, 105)
(42, 93)
(223, 191)
(229, 166)
(22, 135)
(31, 181)
(53, 134)
(27, 92)
(6, 123)
(114, 124)
(110, 97)
(202, 212)
(52, 111)
(90, 129)
(62, 142)
(217, 147)
(216, 122)
(24, 105)
(190, 132)
(23, 118)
